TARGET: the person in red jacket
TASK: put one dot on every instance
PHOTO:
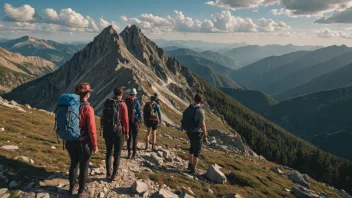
(114, 134)
(81, 150)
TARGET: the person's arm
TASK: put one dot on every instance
(138, 110)
(124, 118)
(158, 111)
(91, 126)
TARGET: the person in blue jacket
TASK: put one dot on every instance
(135, 120)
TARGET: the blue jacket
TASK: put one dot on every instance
(137, 111)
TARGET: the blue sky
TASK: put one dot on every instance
(252, 21)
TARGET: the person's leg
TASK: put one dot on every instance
(109, 147)
(118, 144)
(130, 133)
(190, 155)
(154, 128)
(197, 147)
(73, 166)
(84, 159)
(135, 138)
(149, 129)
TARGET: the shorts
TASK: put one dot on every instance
(152, 124)
(196, 143)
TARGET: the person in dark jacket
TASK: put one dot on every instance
(81, 150)
(198, 135)
(135, 119)
(115, 137)
(152, 120)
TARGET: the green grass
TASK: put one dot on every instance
(252, 176)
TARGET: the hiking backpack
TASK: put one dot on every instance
(111, 117)
(149, 111)
(131, 106)
(188, 122)
(67, 117)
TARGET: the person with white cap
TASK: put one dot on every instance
(135, 119)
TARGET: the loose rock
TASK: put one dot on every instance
(164, 193)
(42, 195)
(25, 159)
(9, 147)
(302, 192)
(139, 187)
(2, 191)
(298, 178)
(215, 175)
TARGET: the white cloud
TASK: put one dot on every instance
(69, 19)
(269, 25)
(222, 22)
(328, 33)
(307, 8)
(24, 13)
(240, 4)
(344, 16)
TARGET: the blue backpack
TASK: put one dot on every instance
(67, 117)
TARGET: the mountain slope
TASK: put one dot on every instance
(319, 117)
(305, 75)
(276, 144)
(132, 60)
(312, 58)
(215, 57)
(247, 75)
(16, 69)
(249, 54)
(46, 49)
(255, 100)
(205, 69)
(335, 79)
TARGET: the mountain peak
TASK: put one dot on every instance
(132, 28)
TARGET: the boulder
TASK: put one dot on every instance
(53, 147)
(2, 191)
(164, 193)
(302, 192)
(13, 184)
(139, 187)
(25, 159)
(166, 154)
(156, 160)
(277, 170)
(9, 147)
(215, 175)
(299, 178)
(2, 129)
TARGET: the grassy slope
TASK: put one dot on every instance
(254, 178)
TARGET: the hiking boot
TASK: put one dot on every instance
(193, 171)
(108, 177)
(115, 177)
(84, 194)
(189, 167)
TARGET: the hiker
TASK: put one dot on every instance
(78, 133)
(193, 123)
(115, 125)
(135, 119)
(152, 119)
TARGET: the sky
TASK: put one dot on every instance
(262, 22)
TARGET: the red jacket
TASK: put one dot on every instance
(123, 116)
(87, 118)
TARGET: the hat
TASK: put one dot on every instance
(156, 95)
(133, 91)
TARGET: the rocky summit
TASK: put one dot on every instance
(114, 60)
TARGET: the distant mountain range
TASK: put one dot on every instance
(246, 55)
(46, 49)
(277, 74)
(335, 79)
(16, 69)
(198, 46)
(209, 55)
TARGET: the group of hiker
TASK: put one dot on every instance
(120, 123)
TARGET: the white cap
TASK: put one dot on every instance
(133, 91)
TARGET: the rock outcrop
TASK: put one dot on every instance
(299, 178)
(215, 175)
